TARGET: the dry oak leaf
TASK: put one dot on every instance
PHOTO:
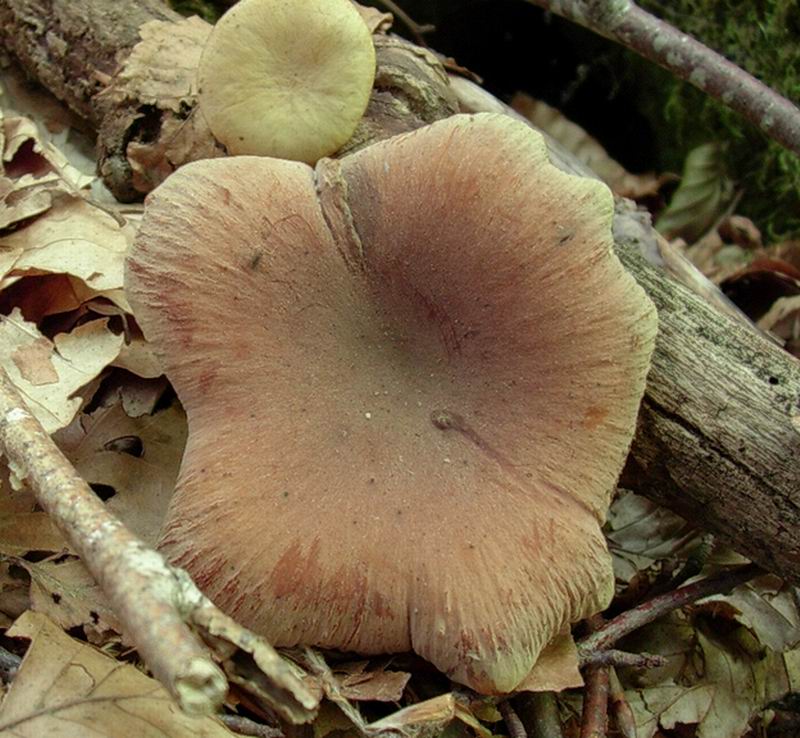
(66, 592)
(137, 457)
(74, 359)
(33, 172)
(73, 238)
(69, 689)
(402, 360)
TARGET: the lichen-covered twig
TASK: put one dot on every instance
(614, 657)
(153, 601)
(623, 21)
(609, 633)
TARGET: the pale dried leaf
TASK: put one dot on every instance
(29, 531)
(77, 357)
(66, 592)
(20, 130)
(73, 238)
(359, 684)
(138, 357)
(766, 606)
(137, 457)
(69, 689)
(640, 533)
(556, 669)
(710, 681)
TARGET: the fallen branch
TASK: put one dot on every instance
(155, 602)
(685, 57)
(611, 631)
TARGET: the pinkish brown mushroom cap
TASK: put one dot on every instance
(411, 378)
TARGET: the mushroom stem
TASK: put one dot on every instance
(631, 620)
(153, 601)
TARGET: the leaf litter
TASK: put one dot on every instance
(69, 344)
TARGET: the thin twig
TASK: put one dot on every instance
(614, 657)
(245, 726)
(418, 30)
(647, 612)
(595, 702)
(152, 600)
(685, 57)
(619, 708)
(514, 725)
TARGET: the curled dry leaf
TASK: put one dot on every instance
(641, 533)
(705, 191)
(72, 238)
(70, 361)
(767, 606)
(69, 689)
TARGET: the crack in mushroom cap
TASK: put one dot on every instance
(411, 378)
(288, 79)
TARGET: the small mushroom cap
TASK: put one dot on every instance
(286, 79)
(411, 378)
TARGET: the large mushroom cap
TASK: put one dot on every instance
(411, 378)
(287, 78)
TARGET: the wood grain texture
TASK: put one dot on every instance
(717, 439)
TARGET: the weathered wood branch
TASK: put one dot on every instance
(719, 430)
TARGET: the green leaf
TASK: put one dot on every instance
(702, 196)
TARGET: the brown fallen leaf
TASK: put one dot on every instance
(66, 593)
(69, 689)
(360, 684)
(77, 358)
(22, 532)
(73, 238)
(137, 457)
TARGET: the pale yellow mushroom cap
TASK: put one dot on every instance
(287, 78)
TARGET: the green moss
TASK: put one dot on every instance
(763, 37)
(208, 10)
